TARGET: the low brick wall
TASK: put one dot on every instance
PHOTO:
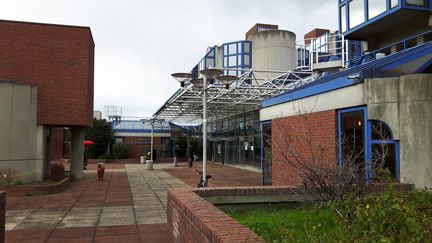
(26, 190)
(2, 215)
(191, 218)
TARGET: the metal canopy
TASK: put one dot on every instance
(244, 94)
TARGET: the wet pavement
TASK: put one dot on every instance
(128, 206)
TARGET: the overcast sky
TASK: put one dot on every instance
(139, 43)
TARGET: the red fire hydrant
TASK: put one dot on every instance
(100, 171)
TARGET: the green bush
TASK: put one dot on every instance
(120, 151)
(101, 134)
(57, 171)
(387, 217)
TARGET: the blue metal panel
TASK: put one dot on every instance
(338, 80)
(424, 66)
(406, 59)
(141, 130)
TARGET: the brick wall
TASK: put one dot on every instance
(315, 33)
(137, 150)
(57, 143)
(57, 59)
(305, 135)
(2, 216)
(193, 219)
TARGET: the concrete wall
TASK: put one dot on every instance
(18, 141)
(273, 50)
(404, 103)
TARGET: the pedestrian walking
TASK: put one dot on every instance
(176, 154)
(189, 153)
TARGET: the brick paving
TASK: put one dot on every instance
(223, 175)
(128, 206)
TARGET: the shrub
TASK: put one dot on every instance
(7, 176)
(57, 171)
(387, 217)
(120, 151)
(101, 134)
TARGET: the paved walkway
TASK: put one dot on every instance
(128, 206)
(223, 175)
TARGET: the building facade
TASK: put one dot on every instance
(376, 99)
(137, 136)
(58, 62)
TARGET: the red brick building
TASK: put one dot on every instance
(59, 61)
(310, 135)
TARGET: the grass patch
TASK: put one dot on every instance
(288, 225)
(383, 217)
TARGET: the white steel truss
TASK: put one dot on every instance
(244, 94)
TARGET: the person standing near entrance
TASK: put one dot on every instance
(176, 154)
(189, 154)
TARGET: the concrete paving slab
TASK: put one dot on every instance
(116, 221)
(151, 220)
(72, 223)
(37, 224)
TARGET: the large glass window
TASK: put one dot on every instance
(246, 60)
(376, 7)
(416, 2)
(237, 56)
(232, 61)
(246, 47)
(232, 49)
(343, 18)
(394, 3)
(356, 13)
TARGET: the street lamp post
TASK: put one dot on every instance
(152, 121)
(207, 75)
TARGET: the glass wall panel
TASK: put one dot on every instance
(249, 125)
(233, 73)
(210, 62)
(240, 126)
(389, 159)
(376, 7)
(246, 60)
(246, 47)
(416, 2)
(232, 151)
(343, 18)
(356, 13)
(394, 3)
(232, 48)
(232, 61)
